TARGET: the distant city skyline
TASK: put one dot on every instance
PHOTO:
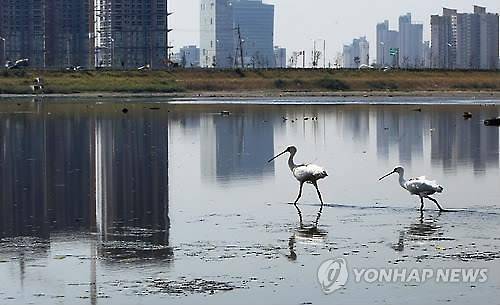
(298, 23)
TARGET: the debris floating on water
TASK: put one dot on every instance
(467, 115)
(492, 122)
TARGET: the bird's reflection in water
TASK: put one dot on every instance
(423, 229)
(291, 246)
(400, 246)
(306, 234)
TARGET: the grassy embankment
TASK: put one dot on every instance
(297, 80)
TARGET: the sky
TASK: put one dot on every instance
(299, 22)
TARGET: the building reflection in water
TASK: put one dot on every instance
(387, 132)
(355, 124)
(236, 146)
(68, 169)
(401, 128)
(131, 178)
(453, 141)
(23, 172)
(456, 142)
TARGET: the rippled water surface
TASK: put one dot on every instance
(149, 202)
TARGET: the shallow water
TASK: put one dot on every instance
(121, 202)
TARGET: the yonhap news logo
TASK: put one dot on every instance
(334, 274)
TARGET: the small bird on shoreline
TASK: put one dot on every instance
(418, 186)
(304, 173)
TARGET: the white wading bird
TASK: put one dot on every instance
(418, 186)
(309, 173)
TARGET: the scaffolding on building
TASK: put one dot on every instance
(131, 38)
(104, 41)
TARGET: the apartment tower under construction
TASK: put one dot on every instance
(131, 33)
(57, 34)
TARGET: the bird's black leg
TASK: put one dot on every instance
(435, 201)
(300, 216)
(319, 194)
(300, 193)
(422, 203)
(316, 223)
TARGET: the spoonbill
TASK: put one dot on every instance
(309, 173)
(418, 186)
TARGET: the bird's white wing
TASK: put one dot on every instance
(306, 172)
(317, 171)
(421, 186)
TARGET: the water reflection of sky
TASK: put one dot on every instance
(52, 155)
(355, 143)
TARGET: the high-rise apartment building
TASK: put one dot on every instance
(465, 40)
(255, 21)
(444, 39)
(488, 42)
(68, 33)
(22, 29)
(131, 33)
(103, 50)
(236, 33)
(49, 33)
(57, 34)
(427, 54)
(410, 43)
(387, 41)
(468, 38)
(403, 48)
(356, 54)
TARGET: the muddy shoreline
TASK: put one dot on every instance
(269, 94)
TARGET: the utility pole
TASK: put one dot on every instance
(4, 60)
(241, 47)
(324, 54)
(303, 59)
(315, 62)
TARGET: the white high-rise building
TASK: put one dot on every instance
(403, 48)
(216, 34)
(410, 43)
(356, 54)
(427, 54)
(464, 40)
(347, 57)
(444, 39)
(235, 33)
(364, 51)
(387, 40)
(488, 42)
